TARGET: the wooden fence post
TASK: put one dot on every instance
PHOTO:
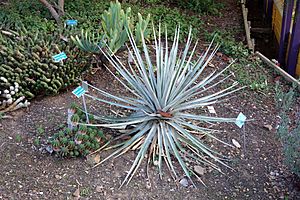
(294, 42)
(265, 7)
(269, 10)
(285, 29)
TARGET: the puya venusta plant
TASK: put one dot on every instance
(165, 90)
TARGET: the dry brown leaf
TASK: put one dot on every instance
(77, 193)
(268, 126)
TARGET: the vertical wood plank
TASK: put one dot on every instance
(269, 10)
(285, 29)
(295, 42)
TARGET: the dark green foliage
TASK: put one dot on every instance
(171, 18)
(288, 131)
(247, 69)
(34, 16)
(77, 142)
(200, 6)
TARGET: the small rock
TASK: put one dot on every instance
(184, 182)
(148, 185)
(58, 177)
(99, 189)
(236, 143)
(199, 170)
(93, 159)
(268, 126)
(77, 193)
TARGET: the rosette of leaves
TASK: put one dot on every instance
(55, 145)
(82, 129)
(166, 90)
(75, 119)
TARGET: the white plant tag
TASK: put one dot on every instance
(211, 109)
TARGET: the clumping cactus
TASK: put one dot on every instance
(80, 141)
(27, 68)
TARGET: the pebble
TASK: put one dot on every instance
(184, 182)
(58, 177)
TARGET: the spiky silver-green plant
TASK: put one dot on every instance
(164, 90)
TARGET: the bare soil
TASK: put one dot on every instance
(258, 170)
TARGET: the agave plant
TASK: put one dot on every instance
(165, 92)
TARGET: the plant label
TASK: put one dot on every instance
(79, 91)
(71, 22)
(59, 57)
(240, 120)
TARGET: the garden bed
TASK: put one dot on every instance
(259, 172)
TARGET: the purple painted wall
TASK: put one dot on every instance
(285, 30)
(295, 42)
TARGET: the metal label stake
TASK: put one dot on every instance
(240, 122)
(80, 91)
(85, 110)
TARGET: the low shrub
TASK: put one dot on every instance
(288, 131)
(201, 6)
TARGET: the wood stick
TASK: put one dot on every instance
(247, 28)
(278, 69)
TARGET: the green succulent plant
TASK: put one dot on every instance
(61, 134)
(64, 141)
(100, 134)
(165, 91)
(89, 42)
(71, 153)
(79, 136)
(86, 137)
(71, 144)
(76, 153)
(115, 23)
(26, 60)
(82, 129)
(55, 143)
(92, 135)
(88, 144)
(86, 152)
(75, 118)
(69, 132)
(74, 106)
(64, 151)
(74, 143)
(82, 147)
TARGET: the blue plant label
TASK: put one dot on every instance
(79, 91)
(240, 120)
(71, 22)
(59, 57)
